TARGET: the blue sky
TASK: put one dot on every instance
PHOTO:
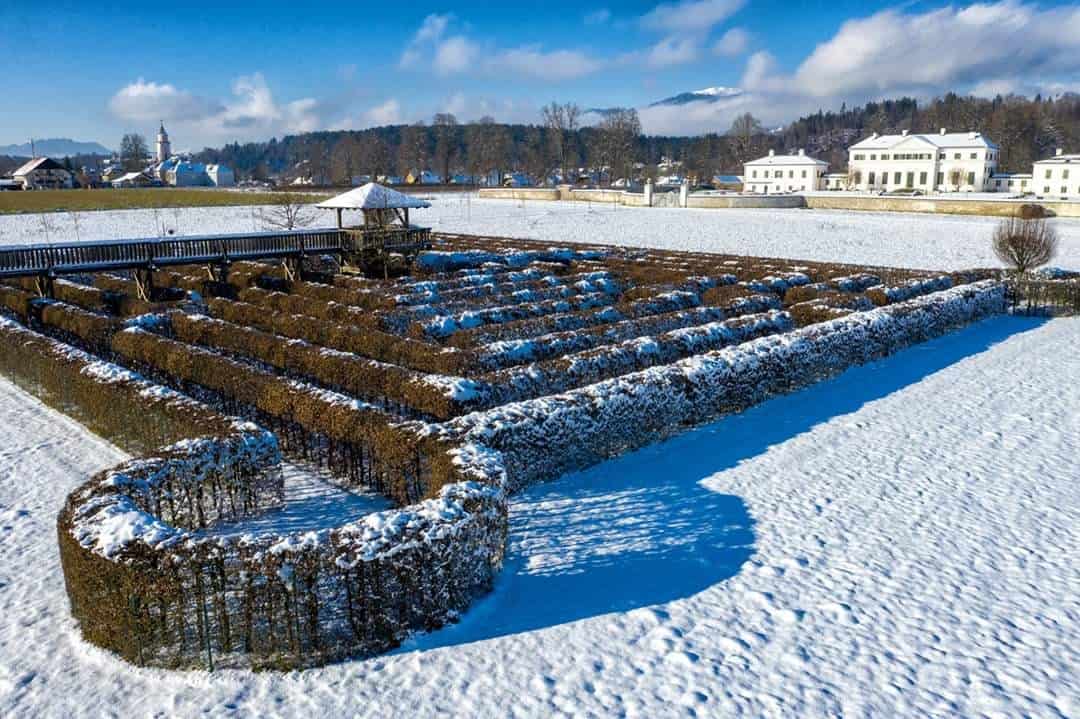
(216, 74)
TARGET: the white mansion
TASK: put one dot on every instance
(784, 173)
(942, 162)
(927, 163)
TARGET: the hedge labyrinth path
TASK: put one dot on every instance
(443, 391)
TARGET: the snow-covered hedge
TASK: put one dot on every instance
(613, 416)
(443, 326)
(592, 365)
(567, 321)
(507, 353)
(379, 382)
(439, 261)
(160, 595)
(146, 581)
(912, 288)
(366, 342)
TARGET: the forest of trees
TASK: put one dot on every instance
(1026, 129)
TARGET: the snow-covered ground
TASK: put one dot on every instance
(944, 242)
(899, 541)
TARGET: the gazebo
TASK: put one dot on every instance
(380, 205)
(386, 228)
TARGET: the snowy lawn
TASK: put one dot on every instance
(899, 541)
(944, 242)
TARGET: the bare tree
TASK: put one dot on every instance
(345, 160)
(562, 122)
(853, 179)
(745, 129)
(445, 125)
(133, 152)
(375, 156)
(955, 177)
(616, 142)
(413, 151)
(1025, 244)
(289, 211)
(487, 146)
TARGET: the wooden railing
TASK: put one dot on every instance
(78, 257)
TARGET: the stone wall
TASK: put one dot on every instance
(833, 201)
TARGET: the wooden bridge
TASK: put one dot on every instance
(52, 260)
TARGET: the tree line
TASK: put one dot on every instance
(560, 142)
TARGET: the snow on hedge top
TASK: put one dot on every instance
(373, 197)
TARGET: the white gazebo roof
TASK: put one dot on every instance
(373, 197)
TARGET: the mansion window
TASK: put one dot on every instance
(896, 178)
(922, 179)
(858, 157)
(1048, 174)
(971, 179)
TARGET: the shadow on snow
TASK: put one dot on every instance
(643, 529)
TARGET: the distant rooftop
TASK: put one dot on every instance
(940, 139)
(799, 158)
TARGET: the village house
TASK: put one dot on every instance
(784, 173)
(1058, 176)
(945, 162)
(182, 172)
(43, 173)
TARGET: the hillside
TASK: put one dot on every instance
(1026, 129)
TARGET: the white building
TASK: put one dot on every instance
(1058, 176)
(784, 173)
(945, 162)
(220, 176)
(164, 147)
(43, 173)
(1013, 182)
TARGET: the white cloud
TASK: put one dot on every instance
(554, 65)
(672, 51)
(733, 42)
(949, 48)
(251, 113)
(598, 17)
(143, 101)
(387, 113)
(430, 32)
(695, 16)
(761, 73)
(455, 54)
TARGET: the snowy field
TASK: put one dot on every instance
(899, 541)
(944, 242)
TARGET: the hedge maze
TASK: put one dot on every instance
(498, 363)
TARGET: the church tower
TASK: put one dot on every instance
(164, 147)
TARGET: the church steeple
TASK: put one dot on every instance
(164, 147)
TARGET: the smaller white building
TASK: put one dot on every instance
(1057, 176)
(1013, 182)
(784, 173)
(220, 176)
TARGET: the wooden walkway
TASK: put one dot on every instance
(52, 260)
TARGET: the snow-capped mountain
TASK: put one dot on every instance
(708, 94)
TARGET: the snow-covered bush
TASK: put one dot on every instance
(913, 288)
(613, 416)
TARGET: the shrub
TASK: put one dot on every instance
(1025, 244)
